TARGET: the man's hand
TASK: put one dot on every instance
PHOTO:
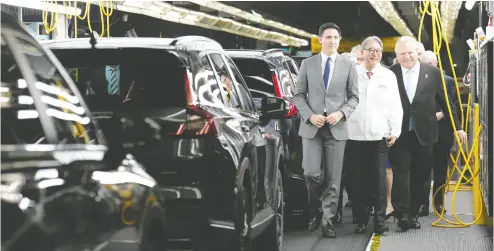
(439, 115)
(462, 135)
(390, 141)
(317, 120)
(334, 117)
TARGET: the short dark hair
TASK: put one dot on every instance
(329, 25)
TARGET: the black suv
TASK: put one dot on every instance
(60, 187)
(272, 73)
(218, 161)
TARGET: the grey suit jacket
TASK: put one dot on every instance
(311, 96)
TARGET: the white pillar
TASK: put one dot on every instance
(62, 28)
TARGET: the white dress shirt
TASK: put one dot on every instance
(379, 112)
(411, 87)
(331, 65)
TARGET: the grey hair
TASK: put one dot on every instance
(406, 39)
(426, 55)
(350, 56)
(356, 47)
(372, 38)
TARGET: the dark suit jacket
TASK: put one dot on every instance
(423, 107)
(445, 126)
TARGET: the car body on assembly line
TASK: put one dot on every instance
(272, 73)
(61, 189)
(218, 158)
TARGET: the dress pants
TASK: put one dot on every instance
(345, 180)
(322, 163)
(411, 163)
(440, 155)
(368, 174)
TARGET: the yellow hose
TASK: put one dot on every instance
(438, 36)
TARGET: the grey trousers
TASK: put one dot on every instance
(322, 164)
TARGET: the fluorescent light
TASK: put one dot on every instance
(175, 14)
(39, 5)
(252, 17)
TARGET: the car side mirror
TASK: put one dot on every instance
(273, 108)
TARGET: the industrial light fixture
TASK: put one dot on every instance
(39, 5)
(171, 13)
(388, 12)
(449, 14)
(252, 17)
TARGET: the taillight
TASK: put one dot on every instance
(198, 122)
(277, 87)
(292, 109)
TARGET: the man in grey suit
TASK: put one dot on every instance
(326, 94)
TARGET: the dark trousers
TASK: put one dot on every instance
(345, 181)
(440, 156)
(411, 164)
(367, 168)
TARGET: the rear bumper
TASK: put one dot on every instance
(192, 225)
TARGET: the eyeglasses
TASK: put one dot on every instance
(371, 50)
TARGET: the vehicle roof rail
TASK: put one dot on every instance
(196, 43)
(266, 52)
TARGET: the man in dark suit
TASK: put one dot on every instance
(411, 156)
(443, 146)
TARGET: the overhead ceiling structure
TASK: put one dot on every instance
(39, 5)
(171, 13)
(252, 17)
(449, 13)
(411, 12)
(387, 11)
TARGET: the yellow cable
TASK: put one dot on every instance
(54, 19)
(438, 36)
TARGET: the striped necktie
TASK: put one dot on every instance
(113, 78)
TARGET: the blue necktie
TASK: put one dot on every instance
(327, 69)
(113, 78)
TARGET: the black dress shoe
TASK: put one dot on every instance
(315, 222)
(328, 230)
(414, 222)
(403, 222)
(423, 211)
(349, 204)
(370, 210)
(380, 227)
(361, 228)
(338, 218)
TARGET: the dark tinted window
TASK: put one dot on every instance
(240, 87)
(110, 78)
(207, 87)
(231, 98)
(259, 87)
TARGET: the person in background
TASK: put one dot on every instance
(324, 106)
(357, 51)
(443, 146)
(373, 128)
(411, 156)
(420, 49)
(345, 182)
(389, 185)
